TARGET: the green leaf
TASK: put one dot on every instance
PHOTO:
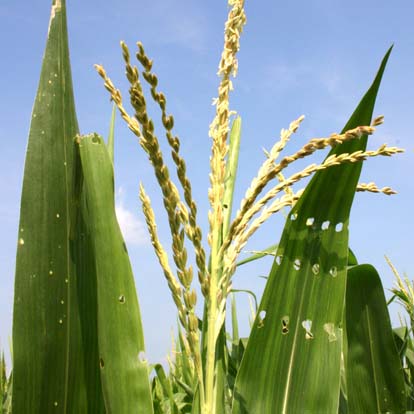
(124, 368)
(3, 380)
(183, 358)
(166, 387)
(270, 251)
(186, 388)
(404, 343)
(234, 321)
(7, 398)
(231, 173)
(352, 260)
(221, 381)
(292, 360)
(111, 136)
(251, 294)
(55, 361)
(375, 379)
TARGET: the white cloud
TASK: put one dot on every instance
(133, 229)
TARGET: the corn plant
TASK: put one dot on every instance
(403, 293)
(5, 388)
(78, 340)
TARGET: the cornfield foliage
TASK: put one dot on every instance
(321, 340)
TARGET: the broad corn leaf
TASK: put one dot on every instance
(54, 365)
(375, 379)
(122, 360)
(292, 360)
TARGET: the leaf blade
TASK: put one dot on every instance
(46, 319)
(375, 380)
(300, 334)
(124, 368)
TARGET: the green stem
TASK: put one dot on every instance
(216, 266)
(211, 335)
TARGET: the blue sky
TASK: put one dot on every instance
(313, 58)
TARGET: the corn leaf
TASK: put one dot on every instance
(292, 360)
(404, 343)
(3, 380)
(234, 321)
(55, 361)
(124, 368)
(111, 135)
(7, 402)
(221, 380)
(166, 387)
(269, 251)
(375, 380)
(231, 173)
(352, 260)
(183, 361)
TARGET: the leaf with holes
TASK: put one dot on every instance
(292, 360)
(124, 368)
(375, 380)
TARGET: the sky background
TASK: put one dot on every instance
(315, 58)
